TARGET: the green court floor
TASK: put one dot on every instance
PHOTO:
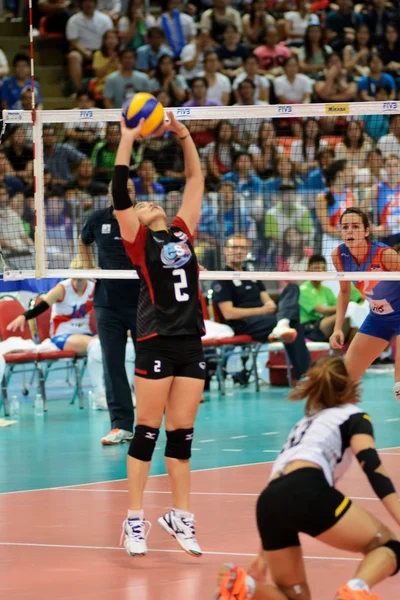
(63, 447)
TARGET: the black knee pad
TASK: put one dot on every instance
(394, 546)
(143, 443)
(179, 444)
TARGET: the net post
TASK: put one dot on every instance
(38, 186)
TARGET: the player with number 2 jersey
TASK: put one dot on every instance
(358, 254)
(170, 365)
(301, 497)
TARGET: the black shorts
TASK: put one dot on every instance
(180, 356)
(312, 331)
(302, 501)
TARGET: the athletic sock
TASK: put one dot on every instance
(135, 514)
(251, 586)
(358, 584)
(283, 323)
(182, 514)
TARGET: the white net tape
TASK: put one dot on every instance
(278, 212)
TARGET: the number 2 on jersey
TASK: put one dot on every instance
(180, 285)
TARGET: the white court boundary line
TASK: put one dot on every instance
(77, 485)
(164, 550)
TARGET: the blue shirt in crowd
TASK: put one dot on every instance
(11, 92)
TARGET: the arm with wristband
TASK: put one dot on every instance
(337, 338)
(55, 295)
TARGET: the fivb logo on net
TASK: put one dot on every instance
(285, 109)
(86, 114)
(391, 107)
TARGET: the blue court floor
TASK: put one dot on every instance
(63, 447)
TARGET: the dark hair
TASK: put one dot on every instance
(54, 192)
(353, 210)
(324, 150)
(85, 92)
(208, 53)
(381, 87)
(239, 154)
(103, 48)
(369, 43)
(371, 57)
(232, 151)
(287, 250)
(48, 126)
(250, 55)
(385, 44)
(231, 26)
(249, 81)
(291, 57)
(198, 78)
(327, 384)
(158, 75)
(274, 152)
(20, 57)
(330, 174)
(346, 138)
(155, 29)
(307, 43)
(124, 51)
(316, 258)
(304, 138)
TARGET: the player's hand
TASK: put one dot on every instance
(337, 339)
(258, 569)
(131, 134)
(18, 323)
(173, 125)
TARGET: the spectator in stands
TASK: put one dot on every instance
(85, 31)
(59, 158)
(192, 55)
(377, 17)
(376, 126)
(248, 308)
(265, 150)
(367, 85)
(389, 51)
(173, 203)
(288, 211)
(303, 152)
(13, 85)
(255, 22)
(335, 85)
(149, 55)
(375, 166)
(246, 92)
(293, 87)
(83, 189)
(216, 19)
(246, 183)
(133, 26)
(199, 87)
(20, 155)
(166, 155)
(146, 185)
(294, 251)
(84, 135)
(390, 143)
(56, 13)
(4, 68)
(355, 146)
(341, 24)
(332, 203)
(219, 85)
(314, 53)
(231, 52)
(220, 155)
(104, 153)
(285, 175)
(8, 178)
(167, 79)
(17, 247)
(271, 54)
(315, 180)
(179, 28)
(19, 206)
(57, 213)
(318, 305)
(126, 82)
(355, 55)
(296, 23)
(105, 61)
(112, 8)
(250, 71)
(25, 103)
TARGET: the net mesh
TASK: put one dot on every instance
(279, 175)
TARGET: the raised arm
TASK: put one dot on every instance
(124, 211)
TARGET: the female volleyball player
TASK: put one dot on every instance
(301, 497)
(358, 254)
(71, 303)
(170, 367)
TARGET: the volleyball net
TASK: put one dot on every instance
(279, 175)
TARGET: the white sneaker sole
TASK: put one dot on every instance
(108, 443)
(168, 529)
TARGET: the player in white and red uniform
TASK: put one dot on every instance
(71, 303)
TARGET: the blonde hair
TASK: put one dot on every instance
(76, 263)
(326, 384)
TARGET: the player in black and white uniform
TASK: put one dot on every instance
(301, 497)
(170, 366)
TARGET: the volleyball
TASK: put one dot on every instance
(143, 106)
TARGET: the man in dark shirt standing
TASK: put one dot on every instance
(115, 302)
(247, 307)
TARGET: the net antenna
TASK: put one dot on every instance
(44, 266)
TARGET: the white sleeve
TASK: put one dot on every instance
(3, 59)
(295, 152)
(123, 25)
(308, 84)
(71, 31)
(278, 85)
(226, 85)
(188, 52)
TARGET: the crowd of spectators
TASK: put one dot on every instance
(281, 182)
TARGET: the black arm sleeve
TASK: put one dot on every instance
(370, 462)
(36, 310)
(119, 188)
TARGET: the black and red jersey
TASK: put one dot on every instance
(169, 299)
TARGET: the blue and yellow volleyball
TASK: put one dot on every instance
(143, 106)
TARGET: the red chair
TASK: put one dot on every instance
(220, 349)
(46, 34)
